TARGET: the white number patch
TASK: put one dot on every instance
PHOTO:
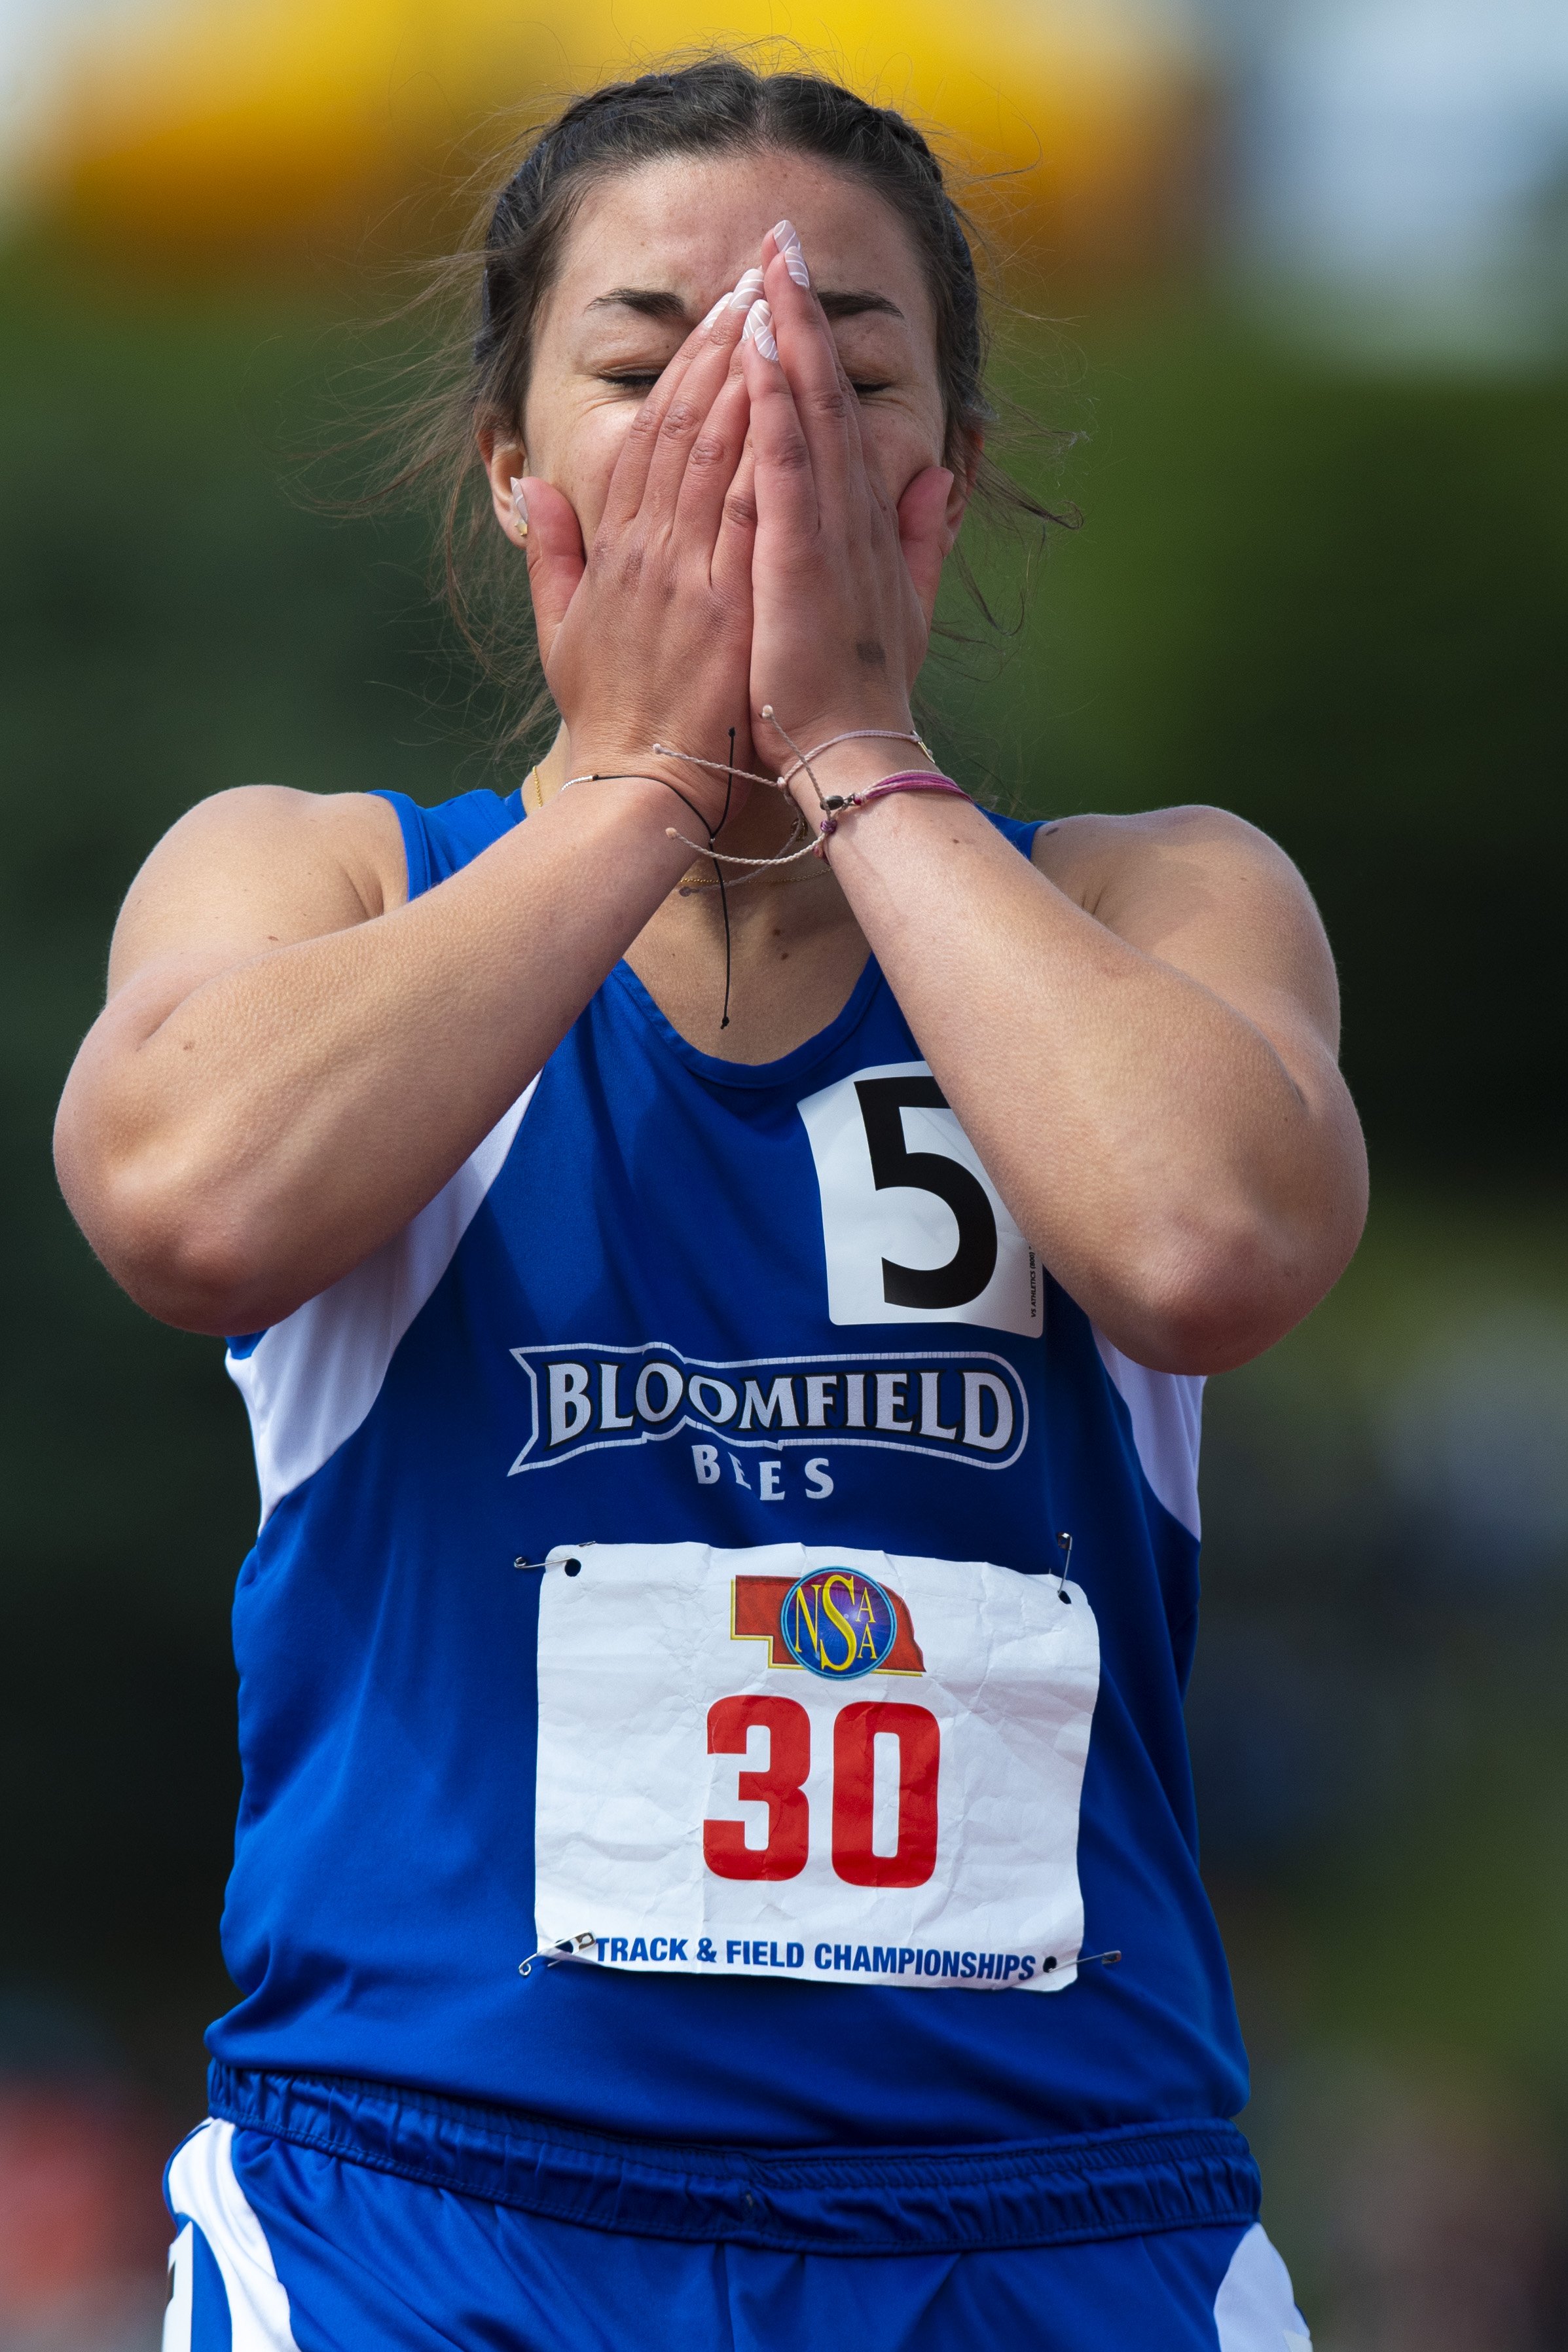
(844, 1765)
(913, 1229)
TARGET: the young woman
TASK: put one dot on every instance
(717, 1861)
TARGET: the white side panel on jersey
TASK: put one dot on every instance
(310, 1382)
(1254, 2310)
(203, 2189)
(1166, 1412)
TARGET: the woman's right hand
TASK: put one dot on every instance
(645, 636)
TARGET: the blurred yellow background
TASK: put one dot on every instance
(196, 128)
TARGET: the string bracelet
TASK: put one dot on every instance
(835, 807)
(908, 780)
(723, 857)
(719, 767)
(802, 759)
(638, 776)
(691, 889)
(700, 848)
(851, 735)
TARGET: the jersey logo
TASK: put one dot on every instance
(835, 1622)
(913, 1230)
(954, 1405)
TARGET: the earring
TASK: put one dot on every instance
(519, 506)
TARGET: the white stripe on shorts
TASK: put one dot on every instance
(202, 2190)
(1254, 2310)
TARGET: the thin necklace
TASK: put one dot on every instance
(784, 882)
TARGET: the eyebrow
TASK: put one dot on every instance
(852, 306)
(658, 302)
(648, 302)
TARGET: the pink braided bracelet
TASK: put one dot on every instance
(907, 780)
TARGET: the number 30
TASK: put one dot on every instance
(780, 1786)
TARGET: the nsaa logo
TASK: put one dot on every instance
(835, 1622)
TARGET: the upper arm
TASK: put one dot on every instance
(249, 870)
(1211, 895)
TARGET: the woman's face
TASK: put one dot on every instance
(650, 253)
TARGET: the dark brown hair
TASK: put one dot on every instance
(713, 105)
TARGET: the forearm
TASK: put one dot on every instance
(1194, 1191)
(231, 1148)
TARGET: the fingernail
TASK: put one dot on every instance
(721, 305)
(790, 253)
(758, 328)
(520, 506)
(746, 290)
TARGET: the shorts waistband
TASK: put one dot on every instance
(1123, 2183)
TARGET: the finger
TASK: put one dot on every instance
(925, 532)
(736, 534)
(624, 495)
(711, 465)
(629, 481)
(554, 551)
(824, 398)
(686, 420)
(786, 487)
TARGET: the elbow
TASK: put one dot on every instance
(1201, 1333)
(1209, 1301)
(168, 1243)
(196, 1282)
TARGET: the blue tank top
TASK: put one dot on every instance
(660, 1557)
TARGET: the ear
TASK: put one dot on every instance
(504, 461)
(546, 530)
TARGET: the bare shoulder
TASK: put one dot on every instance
(1091, 857)
(259, 866)
(1208, 892)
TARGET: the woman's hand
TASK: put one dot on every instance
(843, 581)
(647, 636)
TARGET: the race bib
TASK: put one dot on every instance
(843, 1765)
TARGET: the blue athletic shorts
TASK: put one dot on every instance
(285, 2248)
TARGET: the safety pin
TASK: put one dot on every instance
(1085, 1960)
(1064, 1546)
(552, 1955)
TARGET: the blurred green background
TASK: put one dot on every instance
(1332, 599)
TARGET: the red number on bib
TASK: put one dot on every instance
(919, 1753)
(779, 1786)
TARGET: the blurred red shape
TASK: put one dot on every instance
(79, 2198)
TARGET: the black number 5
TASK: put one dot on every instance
(882, 1103)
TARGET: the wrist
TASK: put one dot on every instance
(853, 767)
(658, 785)
(782, 734)
(630, 814)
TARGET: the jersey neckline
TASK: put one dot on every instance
(791, 1065)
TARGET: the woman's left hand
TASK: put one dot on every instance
(843, 581)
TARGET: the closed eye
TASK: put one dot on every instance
(642, 380)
